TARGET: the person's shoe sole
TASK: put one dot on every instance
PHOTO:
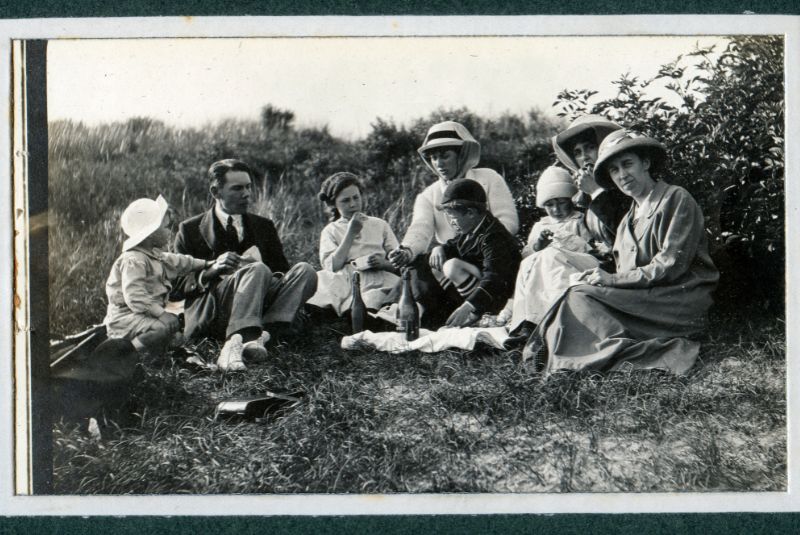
(236, 366)
(228, 361)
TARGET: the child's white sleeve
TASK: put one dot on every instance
(134, 288)
(181, 264)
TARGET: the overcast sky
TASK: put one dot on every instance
(342, 82)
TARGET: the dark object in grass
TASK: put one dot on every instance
(519, 336)
(256, 407)
(96, 382)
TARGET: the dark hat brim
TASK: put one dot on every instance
(459, 203)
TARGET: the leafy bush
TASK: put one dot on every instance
(725, 140)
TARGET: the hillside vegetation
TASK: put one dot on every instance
(449, 422)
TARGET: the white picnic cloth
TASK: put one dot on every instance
(429, 341)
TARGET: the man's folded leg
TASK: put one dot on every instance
(240, 298)
(286, 295)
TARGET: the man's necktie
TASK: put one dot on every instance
(233, 236)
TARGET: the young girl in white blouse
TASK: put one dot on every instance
(352, 241)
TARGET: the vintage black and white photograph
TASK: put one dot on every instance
(499, 263)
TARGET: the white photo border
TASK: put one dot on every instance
(403, 26)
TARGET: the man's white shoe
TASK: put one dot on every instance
(254, 350)
(230, 357)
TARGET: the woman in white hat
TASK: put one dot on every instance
(450, 152)
(642, 315)
(576, 148)
(558, 247)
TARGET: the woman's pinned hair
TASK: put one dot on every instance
(333, 186)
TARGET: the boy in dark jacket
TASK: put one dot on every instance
(475, 270)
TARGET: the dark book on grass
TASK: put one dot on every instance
(256, 407)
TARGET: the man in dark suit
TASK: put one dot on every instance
(239, 294)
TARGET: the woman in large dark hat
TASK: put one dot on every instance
(576, 149)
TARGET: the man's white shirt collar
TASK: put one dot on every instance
(222, 216)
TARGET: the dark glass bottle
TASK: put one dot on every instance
(407, 311)
(358, 310)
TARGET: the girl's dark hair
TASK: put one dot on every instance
(333, 186)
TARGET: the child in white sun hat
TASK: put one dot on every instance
(554, 193)
(141, 279)
(543, 276)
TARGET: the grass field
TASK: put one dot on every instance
(371, 422)
(480, 421)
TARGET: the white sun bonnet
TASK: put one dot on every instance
(141, 218)
(555, 182)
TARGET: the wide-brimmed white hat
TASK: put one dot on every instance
(562, 142)
(141, 218)
(622, 141)
(444, 134)
(454, 135)
(555, 182)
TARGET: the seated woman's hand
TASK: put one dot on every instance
(437, 258)
(379, 261)
(597, 277)
(356, 223)
(400, 257)
(584, 179)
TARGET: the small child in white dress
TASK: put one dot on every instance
(141, 278)
(558, 245)
(352, 241)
